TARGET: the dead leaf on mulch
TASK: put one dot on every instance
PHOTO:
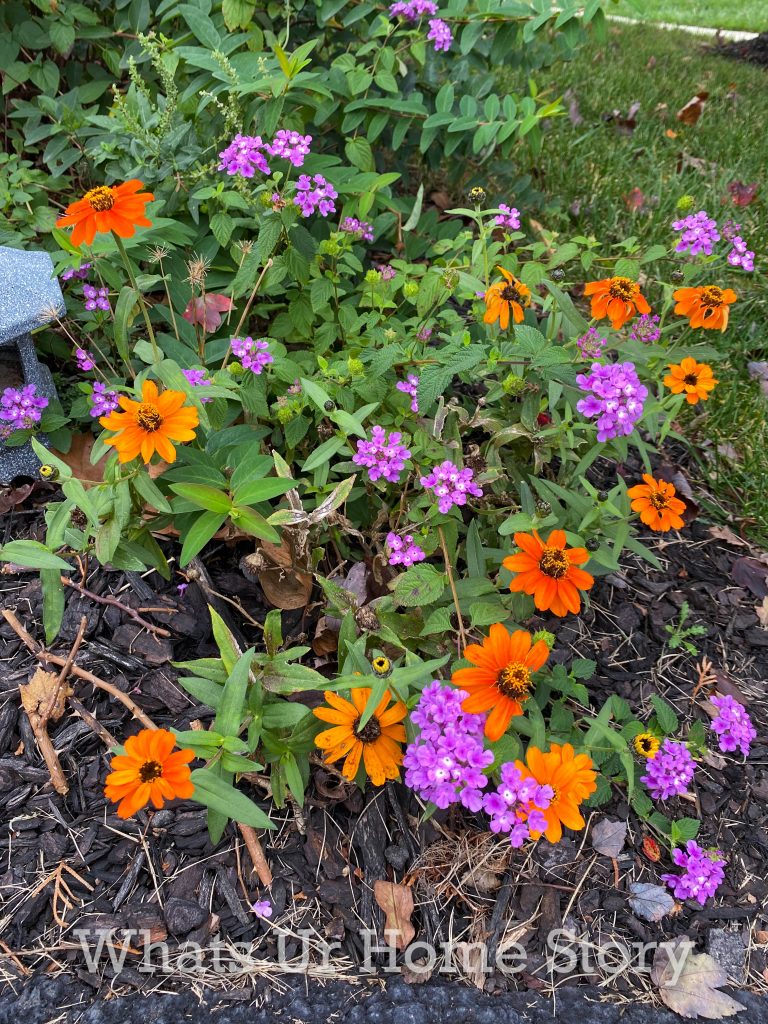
(624, 124)
(696, 992)
(608, 837)
(725, 533)
(693, 109)
(751, 573)
(397, 903)
(650, 902)
(37, 693)
(78, 458)
(285, 584)
(761, 611)
(10, 497)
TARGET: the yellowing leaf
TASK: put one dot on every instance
(689, 983)
(397, 903)
(36, 695)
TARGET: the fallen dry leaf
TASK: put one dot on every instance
(37, 693)
(574, 114)
(608, 837)
(285, 584)
(635, 200)
(743, 195)
(759, 371)
(726, 534)
(651, 849)
(78, 458)
(761, 611)
(10, 497)
(696, 990)
(751, 573)
(693, 109)
(397, 903)
(625, 125)
(650, 902)
(469, 957)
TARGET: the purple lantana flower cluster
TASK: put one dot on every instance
(591, 343)
(244, 156)
(646, 328)
(740, 255)
(704, 871)
(445, 764)
(698, 233)
(451, 485)
(253, 354)
(387, 271)
(440, 34)
(616, 400)
(290, 146)
(84, 360)
(412, 10)
(361, 228)
(733, 725)
(76, 273)
(103, 401)
(383, 456)
(509, 217)
(410, 387)
(21, 408)
(670, 772)
(96, 298)
(315, 193)
(517, 805)
(403, 550)
(199, 379)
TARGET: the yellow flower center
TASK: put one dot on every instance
(515, 681)
(370, 731)
(381, 666)
(101, 199)
(712, 296)
(554, 562)
(148, 417)
(150, 771)
(623, 288)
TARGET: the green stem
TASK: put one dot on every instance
(156, 354)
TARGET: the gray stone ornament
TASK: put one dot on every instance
(30, 298)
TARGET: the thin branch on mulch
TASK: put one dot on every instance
(256, 852)
(131, 612)
(81, 673)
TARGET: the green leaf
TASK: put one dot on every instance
(250, 521)
(150, 492)
(237, 13)
(231, 707)
(32, 555)
(322, 454)
(220, 796)
(665, 715)
(293, 776)
(684, 829)
(125, 312)
(224, 641)
(198, 535)
(262, 490)
(205, 497)
(358, 152)
(53, 602)
(419, 586)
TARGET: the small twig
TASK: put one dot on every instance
(249, 303)
(256, 851)
(81, 673)
(449, 570)
(90, 720)
(65, 670)
(131, 612)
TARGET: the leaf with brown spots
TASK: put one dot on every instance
(693, 989)
(397, 903)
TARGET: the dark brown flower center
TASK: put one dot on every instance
(101, 199)
(150, 771)
(623, 288)
(148, 417)
(370, 731)
(712, 296)
(554, 562)
(515, 681)
(690, 378)
(658, 500)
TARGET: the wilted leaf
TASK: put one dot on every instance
(725, 533)
(36, 695)
(635, 200)
(574, 114)
(693, 109)
(285, 584)
(625, 125)
(10, 497)
(751, 573)
(650, 902)
(207, 311)
(397, 903)
(326, 638)
(651, 849)
(743, 195)
(693, 989)
(608, 837)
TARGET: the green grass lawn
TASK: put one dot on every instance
(749, 15)
(587, 169)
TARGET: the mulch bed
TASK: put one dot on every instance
(754, 51)
(160, 871)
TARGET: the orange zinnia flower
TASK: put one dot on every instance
(505, 296)
(548, 570)
(705, 307)
(149, 771)
(617, 298)
(501, 680)
(118, 208)
(695, 379)
(378, 742)
(151, 425)
(572, 779)
(656, 502)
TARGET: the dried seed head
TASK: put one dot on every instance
(197, 270)
(158, 253)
